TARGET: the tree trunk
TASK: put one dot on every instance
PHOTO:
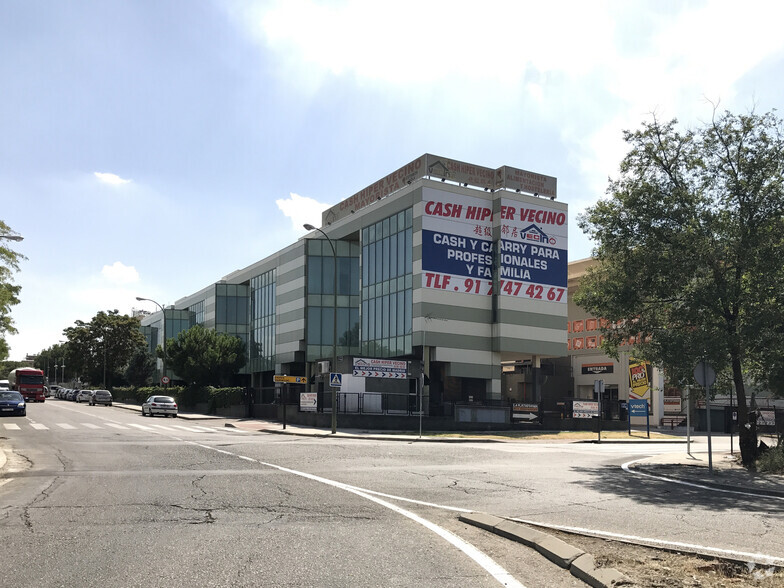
(747, 428)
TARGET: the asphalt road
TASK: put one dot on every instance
(99, 496)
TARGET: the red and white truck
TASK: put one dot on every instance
(29, 382)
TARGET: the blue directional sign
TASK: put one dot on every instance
(335, 380)
(638, 407)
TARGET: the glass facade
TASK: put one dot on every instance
(387, 286)
(198, 312)
(322, 298)
(262, 312)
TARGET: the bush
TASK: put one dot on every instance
(772, 461)
(225, 397)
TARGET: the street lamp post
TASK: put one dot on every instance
(55, 374)
(334, 322)
(12, 237)
(163, 312)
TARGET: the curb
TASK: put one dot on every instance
(652, 469)
(364, 436)
(580, 564)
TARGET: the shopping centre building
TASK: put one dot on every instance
(443, 276)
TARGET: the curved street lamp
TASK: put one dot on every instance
(163, 312)
(12, 237)
(310, 227)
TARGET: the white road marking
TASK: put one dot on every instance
(11, 426)
(116, 426)
(65, 426)
(499, 573)
(90, 425)
(189, 429)
(39, 426)
(162, 427)
(142, 427)
(694, 484)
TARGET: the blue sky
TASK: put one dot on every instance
(149, 148)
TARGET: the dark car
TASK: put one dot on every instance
(101, 397)
(12, 403)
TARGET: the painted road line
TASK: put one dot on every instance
(189, 429)
(65, 426)
(142, 427)
(116, 426)
(39, 426)
(11, 426)
(163, 427)
(502, 576)
(90, 425)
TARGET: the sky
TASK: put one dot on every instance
(151, 147)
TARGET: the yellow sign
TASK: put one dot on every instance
(290, 379)
(638, 378)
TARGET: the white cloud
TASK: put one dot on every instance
(119, 273)
(112, 179)
(301, 210)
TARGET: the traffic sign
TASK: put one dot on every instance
(290, 379)
(165, 380)
(638, 407)
(704, 374)
(335, 380)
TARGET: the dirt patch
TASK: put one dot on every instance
(653, 568)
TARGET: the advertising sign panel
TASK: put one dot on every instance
(457, 244)
(380, 368)
(533, 251)
(585, 409)
(638, 407)
(672, 404)
(525, 411)
(639, 380)
(308, 401)
(597, 368)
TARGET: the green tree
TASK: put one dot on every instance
(203, 356)
(104, 345)
(9, 292)
(690, 251)
(141, 368)
(50, 357)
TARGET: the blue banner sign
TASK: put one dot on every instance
(638, 407)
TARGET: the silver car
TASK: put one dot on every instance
(164, 405)
(84, 396)
(101, 397)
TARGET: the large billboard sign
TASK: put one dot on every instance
(457, 242)
(457, 247)
(533, 251)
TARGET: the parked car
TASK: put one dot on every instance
(12, 403)
(164, 405)
(101, 397)
(84, 396)
(72, 394)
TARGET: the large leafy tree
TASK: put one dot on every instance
(141, 368)
(690, 251)
(203, 356)
(50, 357)
(103, 345)
(9, 292)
